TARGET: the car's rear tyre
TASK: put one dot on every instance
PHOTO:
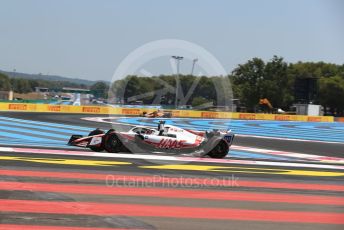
(220, 150)
(96, 148)
(113, 144)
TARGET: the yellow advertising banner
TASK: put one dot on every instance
(25, 107)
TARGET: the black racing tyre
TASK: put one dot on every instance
(113, 144)
(220, 150)
(95, 148)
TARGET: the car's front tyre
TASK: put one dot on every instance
(112, 143)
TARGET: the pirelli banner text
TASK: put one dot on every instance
(22, 107)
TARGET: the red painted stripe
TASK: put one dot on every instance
(175, 180)
(89, 208)
(174, 193)
(45, 227)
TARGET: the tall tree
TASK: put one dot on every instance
(277, 86)
(332, 94)
(21, 85)
(100, 89)
(5, 83)
(249, 78)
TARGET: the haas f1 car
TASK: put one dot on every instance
(166, 138)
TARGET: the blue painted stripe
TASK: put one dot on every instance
(27, 141)
(40, 127)
(301, 129)
(18, 132)
(261, 128)
(45, 123)
(30, 131)
(243, 154)
(28, 137)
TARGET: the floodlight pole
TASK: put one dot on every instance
(178, 59)
(193, 65)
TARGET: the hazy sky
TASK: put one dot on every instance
(88, 39)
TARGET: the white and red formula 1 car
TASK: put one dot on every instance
(166, 138)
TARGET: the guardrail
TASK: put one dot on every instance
(24, 107)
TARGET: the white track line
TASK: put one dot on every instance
(167, 158)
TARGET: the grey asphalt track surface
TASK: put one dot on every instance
(253, 185)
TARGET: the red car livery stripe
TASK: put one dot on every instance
(88, 137)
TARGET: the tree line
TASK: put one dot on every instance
(20, 85)
(287, 83)
(194, 90)
(282, 83)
